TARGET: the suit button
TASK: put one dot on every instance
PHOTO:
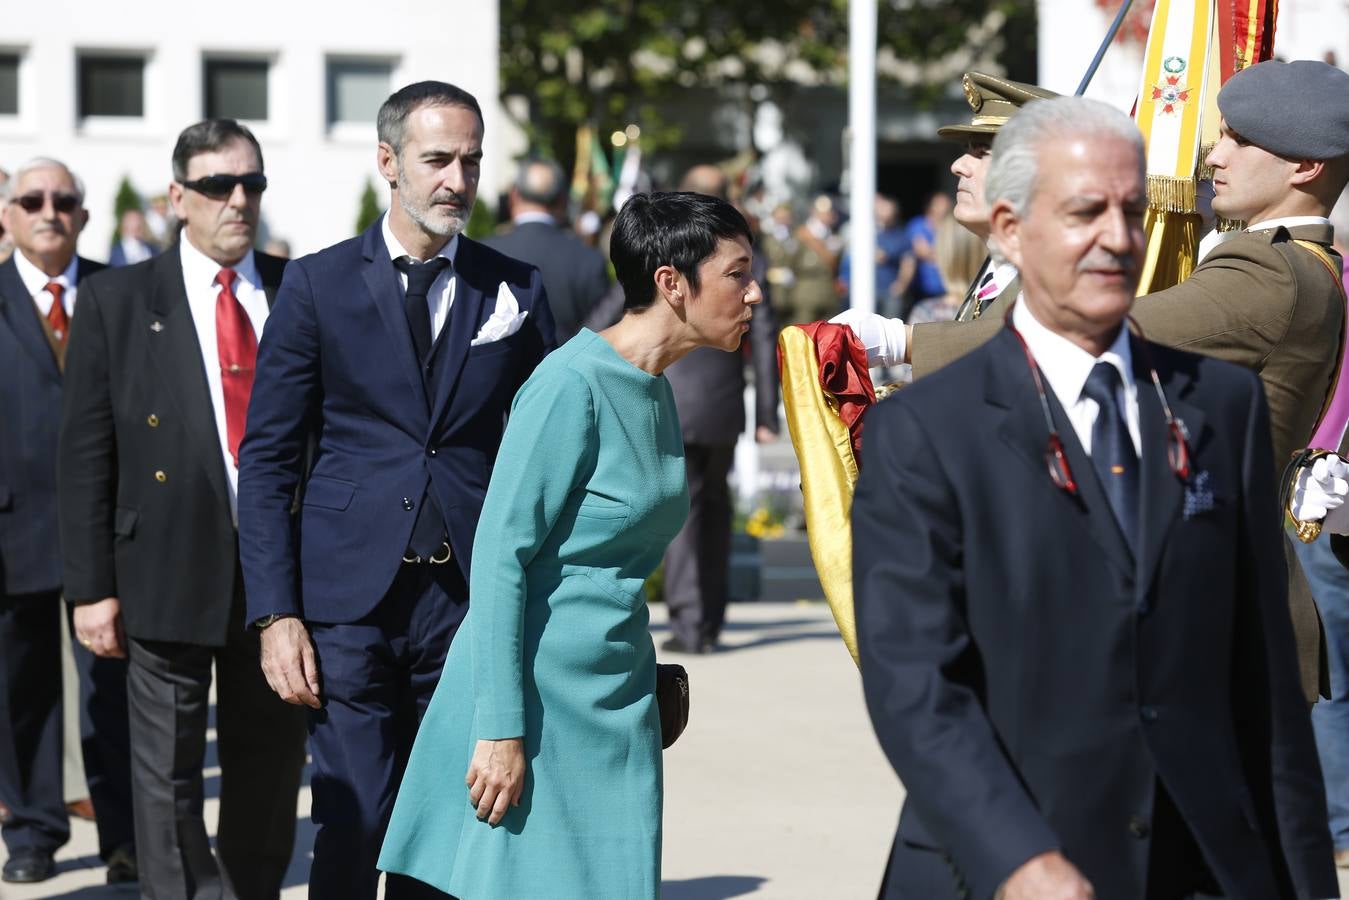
(407, 503)
(161, 477)
(1139, 827)
(152, 420)
(431, 452)
(1149, 713)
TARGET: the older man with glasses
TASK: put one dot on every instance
(158, 381)
(44, 215)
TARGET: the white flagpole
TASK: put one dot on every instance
(862, 152)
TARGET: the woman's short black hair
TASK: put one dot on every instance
(668, 228)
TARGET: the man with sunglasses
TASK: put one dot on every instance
(159, 374)
(44, 215)
(1082, 665)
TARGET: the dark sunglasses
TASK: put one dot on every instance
(218, 187)
(62, 203)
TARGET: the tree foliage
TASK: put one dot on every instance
(370, 209)
(127, 198)
(611, 62)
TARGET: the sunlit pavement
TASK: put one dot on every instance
(777, 789)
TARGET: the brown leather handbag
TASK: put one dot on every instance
(672, 697)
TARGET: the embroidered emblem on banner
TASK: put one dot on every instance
(1171, 93)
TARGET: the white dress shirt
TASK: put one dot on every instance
(36, 281)
(1004, 273)
(199, 274)
(543, 218)
(135, 251)
(441, 295)
(1066, 367)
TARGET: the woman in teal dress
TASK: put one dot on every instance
(537, 769)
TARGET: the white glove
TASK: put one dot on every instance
(886, 340)
(1320, 492)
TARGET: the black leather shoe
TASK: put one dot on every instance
(122, 866)
(29, 867)
(675, 645)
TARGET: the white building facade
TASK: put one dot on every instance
(107, 88)
(1071, 30)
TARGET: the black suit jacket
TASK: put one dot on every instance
(30, 416)
(144, 502)
(1032, 681)
(709, 384)
(575, 276)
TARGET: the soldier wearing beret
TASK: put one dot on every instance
(1267, 297)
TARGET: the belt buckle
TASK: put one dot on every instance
(439, 558)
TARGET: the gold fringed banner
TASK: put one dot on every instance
(1167, 194)
(1170, 254)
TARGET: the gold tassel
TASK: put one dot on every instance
(1203, 171)
(1169, 194)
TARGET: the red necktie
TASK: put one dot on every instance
(56, 316)
(238, 348)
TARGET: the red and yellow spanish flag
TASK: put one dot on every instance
(1193, 47)
(825, 389)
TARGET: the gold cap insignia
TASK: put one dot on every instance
(972, 94)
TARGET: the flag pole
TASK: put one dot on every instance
(1105, 44)
(862, 153)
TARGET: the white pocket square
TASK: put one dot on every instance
(505, 320)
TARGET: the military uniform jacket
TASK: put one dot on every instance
(144, 503)
(1258, 300)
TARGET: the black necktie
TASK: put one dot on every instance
(420, 278)
(1112, 450)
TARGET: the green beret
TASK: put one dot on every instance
(1298, 110)
(994, 101)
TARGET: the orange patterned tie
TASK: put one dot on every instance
(56, 316)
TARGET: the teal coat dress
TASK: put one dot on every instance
(587, 491)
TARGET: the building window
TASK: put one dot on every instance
(112, 86)
(356, 90)
(235, 89)
(9, 84)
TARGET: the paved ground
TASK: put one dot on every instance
(777, 790)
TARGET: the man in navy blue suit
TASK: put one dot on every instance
(383, 384)
(1082, 665)
(38, 291)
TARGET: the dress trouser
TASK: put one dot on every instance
(260, 746)
(30, 722)
(1329, 582)
(74, 785)
(378, 675)
(105, 746)
(698, 560)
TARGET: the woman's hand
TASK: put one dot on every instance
(496, 777)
